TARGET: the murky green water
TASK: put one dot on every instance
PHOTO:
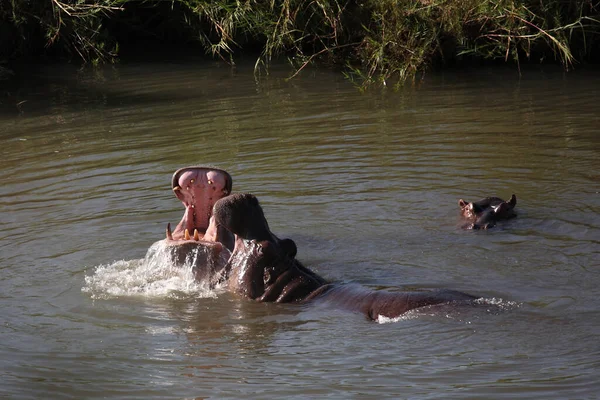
(366, 184)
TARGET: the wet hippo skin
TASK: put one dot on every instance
(232, 245)
(484, 214)
(264, 268)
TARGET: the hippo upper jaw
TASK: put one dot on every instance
(198, 188)
(197, 240)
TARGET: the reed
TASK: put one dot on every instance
(371, 40)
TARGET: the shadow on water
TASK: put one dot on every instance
(67, 87)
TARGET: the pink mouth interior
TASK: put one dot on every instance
(198, 189)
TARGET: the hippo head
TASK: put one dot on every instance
(261, 266)
(484, 213)
(469, 209)
(194, 240)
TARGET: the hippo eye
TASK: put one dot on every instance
(192, 180)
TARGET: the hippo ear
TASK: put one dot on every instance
(502, 208)
(513, 201)
(462, 203)
(289, 247)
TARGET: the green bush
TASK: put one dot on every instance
(374, 40)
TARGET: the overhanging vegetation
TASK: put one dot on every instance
(373, 40)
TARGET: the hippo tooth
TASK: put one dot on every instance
(177, 188)
(187, 235)
(169, 234)
(196, 235)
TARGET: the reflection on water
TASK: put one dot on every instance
(366, 184)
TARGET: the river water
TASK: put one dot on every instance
(367, 185)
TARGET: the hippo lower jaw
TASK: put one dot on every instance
(207, 261)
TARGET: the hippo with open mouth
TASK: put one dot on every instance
(232, 245)
(484, 214)
(194, 240)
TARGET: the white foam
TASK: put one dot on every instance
(498, 302)
(154, 276)
(382, 319)
(496, 305)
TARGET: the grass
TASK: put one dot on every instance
(372, 41)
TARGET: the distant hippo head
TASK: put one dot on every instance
(484, 214)
(194, 239)
(261, 266)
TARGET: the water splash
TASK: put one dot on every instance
(154, 276)
(501, 304)
(491, 305)
(382, 319)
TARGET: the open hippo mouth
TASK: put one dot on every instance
(199, 188)
(197, 240)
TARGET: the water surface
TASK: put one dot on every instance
(367, 185)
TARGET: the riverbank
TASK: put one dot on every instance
(370, 41)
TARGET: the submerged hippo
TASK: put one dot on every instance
(484, 214)
(264, 268)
